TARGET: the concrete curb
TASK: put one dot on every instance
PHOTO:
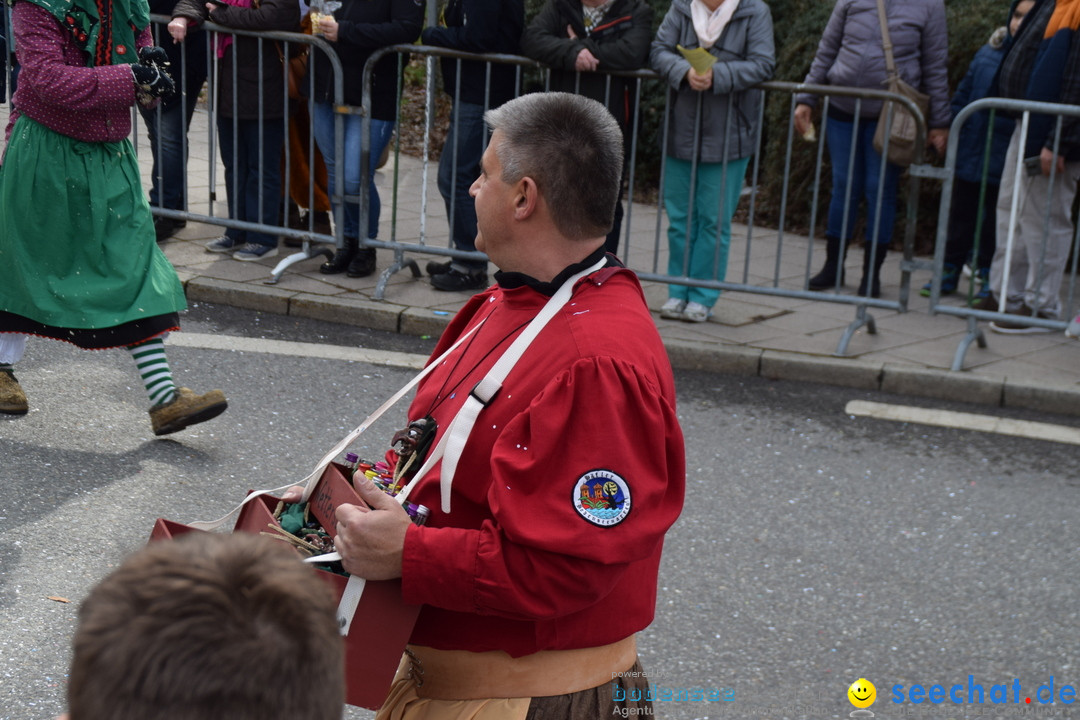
(894, 378)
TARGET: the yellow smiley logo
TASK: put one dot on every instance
(862, 693)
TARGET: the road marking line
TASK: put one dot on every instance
(298, 349)
(965, 421)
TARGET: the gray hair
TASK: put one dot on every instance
(572, 148)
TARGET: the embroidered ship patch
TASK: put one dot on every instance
(602, 498)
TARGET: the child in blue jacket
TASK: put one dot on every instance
(972, 163)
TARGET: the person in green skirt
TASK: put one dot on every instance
(78, 257)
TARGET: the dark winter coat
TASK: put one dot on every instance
(620, 42)
(363, 27)
(1045, 70)
(243, 55)
(979, 82)
(480, 26)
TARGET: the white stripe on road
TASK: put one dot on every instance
(298, 349)
(965, 421)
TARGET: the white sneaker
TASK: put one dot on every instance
(1073, 331)
(696, 313)
(673, 309)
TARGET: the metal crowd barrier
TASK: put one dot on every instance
(1008, 210)
(284, 45)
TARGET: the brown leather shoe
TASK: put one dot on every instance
(12, 397)
(186, 409)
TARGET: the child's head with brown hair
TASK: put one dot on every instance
(208, 626)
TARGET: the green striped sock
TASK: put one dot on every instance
(154, 370)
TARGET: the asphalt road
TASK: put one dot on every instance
(815, 548)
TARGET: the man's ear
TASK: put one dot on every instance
(527, 199)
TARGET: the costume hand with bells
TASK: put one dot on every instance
(151, 78)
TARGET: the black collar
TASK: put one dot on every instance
(511, 280)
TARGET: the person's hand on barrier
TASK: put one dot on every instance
(178, 29)
(938, 138)
(371, 539)
(1049, 161)
(699, 81)
(586, 61)
(803, 120)
(328, 27)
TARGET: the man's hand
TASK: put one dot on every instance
(699, 81)
(938, 138)
(802, 119)
(328, 28)
(1049, 160)
(586, 61)
(371, 540)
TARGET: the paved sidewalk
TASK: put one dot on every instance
(772, 337)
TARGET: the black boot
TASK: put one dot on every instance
(342, 258)
(834, 264)
(363, 263)
(875, 274)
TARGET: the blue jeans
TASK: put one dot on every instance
(695, 247)
(167, 130)
(255, 175)
(459, 166)
(864, 181)
(322, 125)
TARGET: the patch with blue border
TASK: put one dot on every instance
(602, 497)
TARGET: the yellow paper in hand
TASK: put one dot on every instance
(699, 58)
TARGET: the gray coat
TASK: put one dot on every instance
(745, 57)
(850, 53)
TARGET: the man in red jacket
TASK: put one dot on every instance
(539, 561)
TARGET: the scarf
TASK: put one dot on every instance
(223, 40)
(104, 29)
(710, 24)
(1066, 17)
(591, 16)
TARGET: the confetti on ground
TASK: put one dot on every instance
(57, 598)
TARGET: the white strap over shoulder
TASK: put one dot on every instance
(453, 441)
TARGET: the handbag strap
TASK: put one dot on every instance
(886, 45)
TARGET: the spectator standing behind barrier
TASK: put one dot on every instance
(533, 587)
(581, 41)
(357, 29)
(475, 26)
(78, 261)
(1042, 64)
(167, 125)
(209, 626)
(971, 170)
(850, 54)
(249, 106)
(712, 130)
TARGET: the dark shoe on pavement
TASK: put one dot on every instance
(1018, 328)
(221, 245)
(165, 228)
(986, 302)
(12, 397)
(362, 264)
(254, 251)
(434, 267)
(186, 409)
(457, 281)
